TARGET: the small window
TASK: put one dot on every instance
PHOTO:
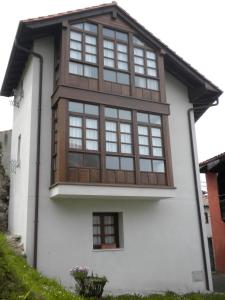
(105, 230)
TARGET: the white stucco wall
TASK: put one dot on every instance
(161, 240)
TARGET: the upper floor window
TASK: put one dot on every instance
(83, 50)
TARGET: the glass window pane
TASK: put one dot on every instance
(157, 151)
(75, 54)
(111, 112)
(109, 229)
(76, 121)
(150, 55)
(97, 230)
(108, 62)
(152, 72)
(76, 107)
(91, 134)
(124, 114)
(96, 220)
(151, 64)
(143, 150)
(122, 56)
(123, 78)
(158, 166)
(79, 25)
(108, 220)
(145, 165)
(155, 119)
(91, 145)
(138, 52)
(125, 128)
(110, 126)
(143, 140)
(90, 49)
(138, 60)
(75, 143)
(91, 58)
(75, 132)
(137, 41)
(108, 32)
(90, 39)
(139, 69)
(75, 159)
(122, 48)
(126, 148)
(125, 138)
(140, 82)
(112, 162)
(109, 75)
(91, 109)
(75, 45)
(75, 68)
(90, 27)
(111, 136)
(96, 240)
(121, 36)
(76, 36)
(153, 84)
(108, 53)
(127, 163)
(142, 117)
(90, 123)
(157, 142)
(143, 130)
(156, 132)
(90, 71)
(109, 239)
(111, 147)
(122, 65)
(108, 44)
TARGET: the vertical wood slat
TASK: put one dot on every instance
(64, 55)
(131, 64)
(100, 58)
(62, 145)
(161, 71)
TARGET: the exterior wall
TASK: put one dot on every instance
(218, 226)
(149, 227)
(5, 152)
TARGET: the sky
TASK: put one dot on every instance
(194, 29)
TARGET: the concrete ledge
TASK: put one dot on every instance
(108, 192)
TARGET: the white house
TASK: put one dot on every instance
(103, 136)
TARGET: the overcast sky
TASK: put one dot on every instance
(194, 29)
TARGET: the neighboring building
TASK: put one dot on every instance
(115, 183)
(5, 149)
(214, 169)
(208, 228)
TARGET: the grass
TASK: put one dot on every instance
(18, 281)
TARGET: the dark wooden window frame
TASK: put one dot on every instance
(102, 235)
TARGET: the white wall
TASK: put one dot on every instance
(161, 238)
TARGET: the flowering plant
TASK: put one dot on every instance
(88, 286)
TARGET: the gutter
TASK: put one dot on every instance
(36, 197)
(194, 167)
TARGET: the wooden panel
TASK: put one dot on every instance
(144, 178)
(107, 87)
(109, 21)
(125, 90)
(138, 92)
(120, 176)
(116, 89)
(93, 84)
(161, 179)
(84, 175)
(155, 96)
(146, 94)
(73, 175)
(110, 176)
(130, 178)
(94, 175)
(152, 178)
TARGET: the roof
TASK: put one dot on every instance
(213, 164)
(201, 90)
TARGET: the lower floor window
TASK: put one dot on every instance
(105, 231)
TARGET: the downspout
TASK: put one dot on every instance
(194, 167)
(36, 198)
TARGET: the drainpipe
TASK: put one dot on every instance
(194, 167)
(36, 208)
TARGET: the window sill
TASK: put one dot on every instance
(108, 250)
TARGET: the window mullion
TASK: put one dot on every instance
(136, 148)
